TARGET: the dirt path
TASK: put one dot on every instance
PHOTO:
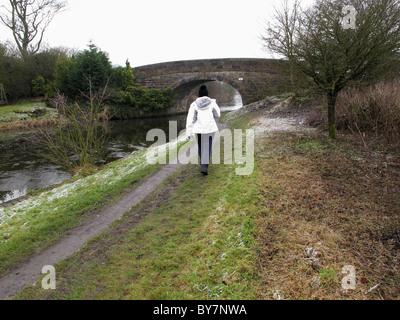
(28, 272)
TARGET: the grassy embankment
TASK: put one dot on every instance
(311, 207)
(189, 218)
(43, 218)
(20, 115)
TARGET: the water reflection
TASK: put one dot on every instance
(127, 136)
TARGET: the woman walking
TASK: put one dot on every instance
(201, 122)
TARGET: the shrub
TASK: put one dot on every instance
(145, 99)
(38, 86)
(91, 65)
(79, 140)
(371, 109)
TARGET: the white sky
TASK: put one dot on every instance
(153, 31)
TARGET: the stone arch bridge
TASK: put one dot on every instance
(252, 78)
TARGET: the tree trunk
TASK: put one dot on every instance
(332, 115)
(292, 75)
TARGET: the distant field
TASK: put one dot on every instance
(21, 106)
(22, 114)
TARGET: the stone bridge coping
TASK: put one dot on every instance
(211, 65)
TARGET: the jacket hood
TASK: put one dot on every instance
(203, 102)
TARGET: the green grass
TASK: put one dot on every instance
(328, 278)
(21, 106)
(197, 244)
(39, 221)
(42, 219)
(19, 115)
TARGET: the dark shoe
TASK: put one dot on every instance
(204, 170)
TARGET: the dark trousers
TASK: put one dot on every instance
(204, 143)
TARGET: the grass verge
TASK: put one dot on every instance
(42, 219)
(327, 205)
(170, 246)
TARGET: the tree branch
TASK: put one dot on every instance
(28, 20)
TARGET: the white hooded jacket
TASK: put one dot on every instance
(201, 115)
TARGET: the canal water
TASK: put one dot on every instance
(21, 171)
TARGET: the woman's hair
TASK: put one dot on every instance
(203, 92)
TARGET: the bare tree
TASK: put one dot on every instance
(80, 137)
(333, 55)
(279, 33)
(28, 20)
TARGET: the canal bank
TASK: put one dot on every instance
(35, 221)
(23, 171)
(283, 232)
(52, 226)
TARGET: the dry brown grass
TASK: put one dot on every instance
(327, 205)
(372, 109)
(27, 124)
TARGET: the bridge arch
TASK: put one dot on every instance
(184, 88)
(252, 78)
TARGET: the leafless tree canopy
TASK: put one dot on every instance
(315, 41)
(280, 35)
(28, 20)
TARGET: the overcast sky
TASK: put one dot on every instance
(153, 31)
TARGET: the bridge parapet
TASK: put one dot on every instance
(251, 77)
